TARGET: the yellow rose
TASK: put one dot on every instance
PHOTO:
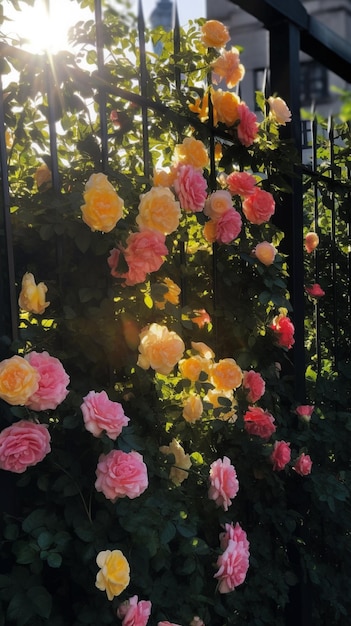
(32, 296)
(160, 349)
(214, 34)
(192, 367)
(18, 380)
(225, 105)
(191, 152)
(192, 409)
(226, 374)
(113, 576)
(182, 462)
(158, 210)
(103, 207)
(228, 413)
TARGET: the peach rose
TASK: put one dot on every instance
(100, 414)
(226, 374)
(265, 252)
(192, 367)
(214, 34)
(311, 242)
(18, 380)
(22, 445)
(32, 295)
(43, 177)
(53, 381)
(241, 184)
(225, 105)
(210, 231)
(203, 349)
(218, 203)
(248, 127)
(158, 210)
(192, 409)
(121, 474)
(303, 465)
(279, 111)
(182, 462)
(229, 68)
(191, 152)
(200, 107)
(145, 253)
(259, 207)
(281, 455)
(224, 484)
(164, 178)
(160, 349)
(114, 574)
(103, 207)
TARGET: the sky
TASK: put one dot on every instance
(32, 22)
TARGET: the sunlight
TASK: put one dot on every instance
(42, 29)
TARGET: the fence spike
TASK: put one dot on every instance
(101, 95)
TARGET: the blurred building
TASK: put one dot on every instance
(316, 81)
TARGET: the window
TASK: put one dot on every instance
(313, 83)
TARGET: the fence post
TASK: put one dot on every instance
(285, 81)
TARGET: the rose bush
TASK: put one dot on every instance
(161, 306)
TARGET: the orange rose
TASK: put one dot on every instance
(193, 409)
(225, 105)
(32, 296)
(200, 107)
(311, 242)
(172, 295)
(158, 210)
(191, 152)
(210, 231)
(182, 462)
(214, 34)
(160, 349)
(103, 207)
(18, 380)
(226, 374)
(192, 367)
(164, 178)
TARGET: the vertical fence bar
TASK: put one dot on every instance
(314, 133)
(143, 81)
(285, 81)
(101, 91)
(334, 274)
(9, 308)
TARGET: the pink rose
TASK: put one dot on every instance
(315, 291)
(254, 385)
(248, 127)
(22, 445)
(304, 411)
(113, 260)
(197, 621)
(284, 331)
(224, 483)
(144, 253)
(191, 188)
(52, 382)
(241, 184)
(228, 226)
(134, 613)
(121, 474)
(259, 207)
(234, 562)
(303, 465)
(259, 422)
(281, 455)
(102, 414)
(235, 533)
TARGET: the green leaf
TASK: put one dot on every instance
(54, 559)
(41, 601)
(82, 239)
(45, 540)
